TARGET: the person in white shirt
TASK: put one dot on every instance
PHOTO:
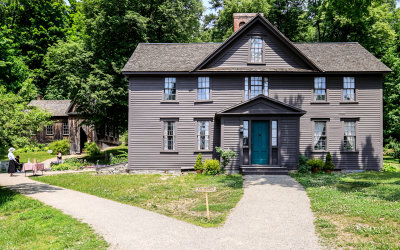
(12, 164)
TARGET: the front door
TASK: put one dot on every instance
(260, 142)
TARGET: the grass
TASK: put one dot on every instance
(115, 151)
(173, 196)
(40, 156)
(391, 160)
(26, 223)
(359, 210)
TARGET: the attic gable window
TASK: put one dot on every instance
(256, 50)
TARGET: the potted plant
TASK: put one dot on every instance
(315, 164)
(199, 166)
(329, 166)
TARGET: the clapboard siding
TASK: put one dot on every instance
(146, 110)
(276, 54)
(288, 142)
(231, 139)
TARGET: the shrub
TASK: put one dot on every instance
(329, 166)
(396, 151)
(304, 169)
(124, 138)
(389, 168)
(316, 164)
(211, 167)
(69, 164)
(92, 149)
(302, 160)
(226, 156)
(62, 145)
(199, 163)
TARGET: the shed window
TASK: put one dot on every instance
(256, 48)
(349, 135)
(245, 133)
(170, 88)
(169, 135)
(49, 130)
(274, 137)
(65, 128)
(348, 89)
(203, 135)
(320, 135)
(258, 86)
(319, 89)
(203, 88)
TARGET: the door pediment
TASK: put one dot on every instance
(262, 105)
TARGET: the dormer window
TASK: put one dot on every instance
(256, 50)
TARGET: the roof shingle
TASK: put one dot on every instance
(55, 107)
(330, 57)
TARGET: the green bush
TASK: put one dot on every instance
(396, 150)
(199, 163)
(390, 168)
(226, 156)
(32, 147)
(69, 164)
(211, 167)
(329, 166)
(316, 164)
(124, 138)
(302, 160)
(304, 169)
(121, 157)
(92, 149)
(62, 145)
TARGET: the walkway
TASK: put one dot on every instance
(274, 213)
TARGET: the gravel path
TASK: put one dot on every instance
(274, 213)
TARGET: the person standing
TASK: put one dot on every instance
(19, 164)
(59, 157)
(12, 163)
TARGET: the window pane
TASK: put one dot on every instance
(274, 136)
(348, 88)
(245, 133)
(169, 135)
(320, 135)
(256, 86)
(319, 89)
(203, 88)
(170, 88)
(256, 50)
(246, 88)
(203, 134)
(266, 86)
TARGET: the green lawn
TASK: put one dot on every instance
(391, 160)
(40, 156)
(173, 196)
(359, 210)
(26, 223)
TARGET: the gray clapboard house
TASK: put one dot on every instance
(259, 94)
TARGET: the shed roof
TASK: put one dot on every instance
(176, 57)
(55, 107)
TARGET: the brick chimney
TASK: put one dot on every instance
(39, 97)
(239, 19)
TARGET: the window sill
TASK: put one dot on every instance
(349, 102)
(202, 151)
(170, 102)
(321, 102)
(202, 101)
(320, 152)
(169, 152)
(349, 152)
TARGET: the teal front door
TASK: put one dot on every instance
(260, 142)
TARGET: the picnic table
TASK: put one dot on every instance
(34, 167)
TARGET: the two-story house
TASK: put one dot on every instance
(259, 94)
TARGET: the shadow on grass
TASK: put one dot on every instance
(6, 195)
(32, 188)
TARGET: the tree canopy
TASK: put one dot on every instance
(76, 50)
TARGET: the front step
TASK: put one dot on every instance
(263, 170)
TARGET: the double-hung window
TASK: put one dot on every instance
(203, 135)
(49, 130)
(170, 88)
(319, 89)
(348, 89)
(349, 143)
(254, 86)
(169, 135)
(65, 128)
(320, 135)
(246, 133)
(203, 89)
(256, 50)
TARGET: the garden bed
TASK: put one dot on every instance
(170, 195)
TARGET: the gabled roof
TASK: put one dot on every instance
(55, 107)
(268, 26)
(261, 105)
